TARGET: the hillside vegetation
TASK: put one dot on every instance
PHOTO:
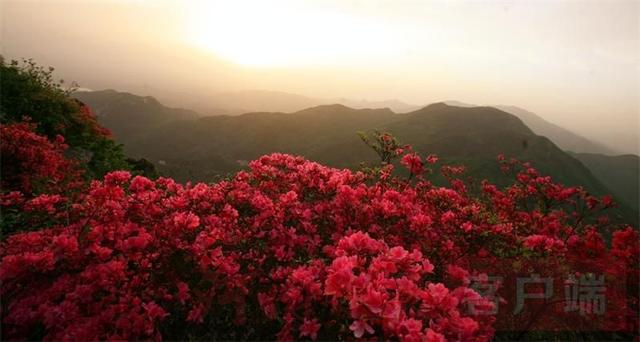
(620, 174)
(203, 149)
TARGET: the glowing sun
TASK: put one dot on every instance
(281, 33)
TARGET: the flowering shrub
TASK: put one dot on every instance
(31, 90)
(291, 249)
(36, 178)
(88, 118)
(33, 164)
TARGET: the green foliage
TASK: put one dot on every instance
(142, 167)
(384, 144)
(30, 91)
(107, 156)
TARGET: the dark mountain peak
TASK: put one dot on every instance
(128, 114)
(440, 107)
(434, 107)
(110, 96)
(327, 108)
(469, 119)
(449, 106)
(150, 100)
(340, 109)
(123, 100)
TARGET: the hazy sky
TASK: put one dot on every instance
(575, 63)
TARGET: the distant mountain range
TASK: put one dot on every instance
(564, 138)
(188, 147)
(240, 102)
(129, 116)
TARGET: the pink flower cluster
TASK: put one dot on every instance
(290, 250)
(33, 164)
(88, 118)
(37, 179)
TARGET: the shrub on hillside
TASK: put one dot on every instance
(37, 180)
(29, 90)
